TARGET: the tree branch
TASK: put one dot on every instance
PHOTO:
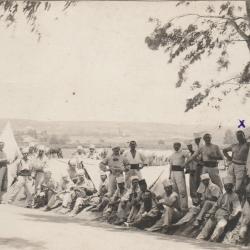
(240, 32)
(205, 16)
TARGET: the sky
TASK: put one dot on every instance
(92, 64)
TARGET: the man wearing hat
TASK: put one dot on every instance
(24, 179)
(117, 203)
(133, 198)
(45, 191)
(194, 173)
(238, 159)
(136, 161)
(64, 187)
(208, 194)
(170, 208)
(149, 212)
(3, 170)
(116, 164)
(224, 210)
(79, 156)
(92, 153)
(177, 165)
(79, 195)
(210, 154)
(40, 163)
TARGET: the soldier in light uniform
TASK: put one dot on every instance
(177, 165)
(24, 179)
(45, 191)
(208, 194)
(136, 161)
(3, 170)
(40, 163)
(237, 168)
(225, 209)
(168, 203)
(210, 154)
(116, 164)
(79, 195)
(79, 156)
(117, 203)
(64, 187)
(92, 153)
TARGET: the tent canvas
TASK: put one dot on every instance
(11, 149)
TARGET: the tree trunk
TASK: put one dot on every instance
(247, 2)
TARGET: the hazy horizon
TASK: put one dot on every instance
(84, 69)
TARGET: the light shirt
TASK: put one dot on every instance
(138, 159)
(178, 158)
(116, 164)
(209, 192)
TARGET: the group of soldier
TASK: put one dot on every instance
(124, 198)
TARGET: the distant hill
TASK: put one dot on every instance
(94, 132)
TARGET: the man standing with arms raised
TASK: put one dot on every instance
(210, 154)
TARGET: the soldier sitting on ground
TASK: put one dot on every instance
(208, 193)
(225, 210)
(149, 212)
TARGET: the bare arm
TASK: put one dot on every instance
(225, 152)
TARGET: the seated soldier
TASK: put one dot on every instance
(100, 204)
(148, 213)
(134, 195)
(72, 170)
(170, 208)
(245, 217)
(116, 202)
(45, 191)
(224, 210)
(65, 186)
(208, 194)
(125, 205)
(79, 196)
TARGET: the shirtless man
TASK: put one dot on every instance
(210, 154)
(238, 159)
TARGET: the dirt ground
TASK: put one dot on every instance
(29, 229)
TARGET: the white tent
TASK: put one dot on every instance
(11, 149)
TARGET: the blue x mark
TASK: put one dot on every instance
(242, 124)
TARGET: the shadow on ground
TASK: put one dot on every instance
(20, 243)
(54, 218)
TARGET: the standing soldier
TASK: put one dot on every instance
(3, 169)
(177, 165)
(116, 164)
(210, 154)
(136, 161)
(237, 168)
(40, 163)
(79, 156)
(24, 179)
(192, 169)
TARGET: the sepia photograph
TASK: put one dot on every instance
(124, 125)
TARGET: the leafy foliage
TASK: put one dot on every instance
(193, 37)
(9, 10)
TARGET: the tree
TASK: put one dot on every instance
(29, 9)
(229, 137)
(212, 35)
(54, 140)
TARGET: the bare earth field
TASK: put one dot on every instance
(28, 229)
